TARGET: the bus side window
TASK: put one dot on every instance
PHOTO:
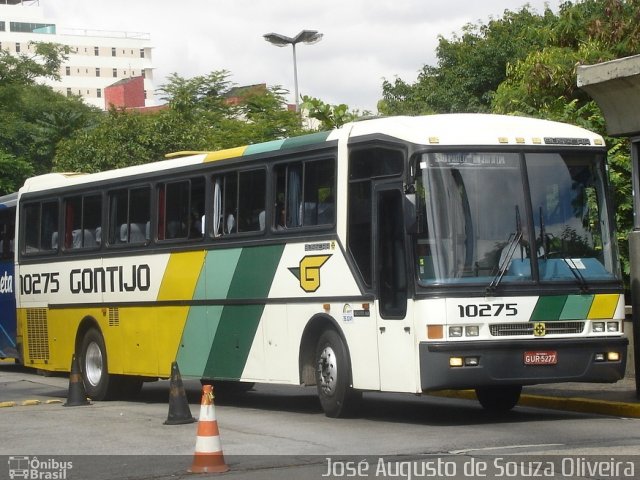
(239, 202)
(304, 194)
(82, 222)
(42, 234)
(180, 209)
(319, 198)
(225, 199)
(7, 230)
(129, 215)
(251, 199)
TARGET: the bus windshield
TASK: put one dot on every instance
(475, 224)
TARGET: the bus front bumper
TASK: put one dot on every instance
(487, 363)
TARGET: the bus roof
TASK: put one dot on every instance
(8, 201)
(478, 129)
(446, 129)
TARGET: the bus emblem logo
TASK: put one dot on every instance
(539, 329)
(308, 271)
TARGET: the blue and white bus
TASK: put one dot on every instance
(7, 277)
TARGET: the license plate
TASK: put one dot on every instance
(541, 357)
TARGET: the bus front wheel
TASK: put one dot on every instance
(499, 399)
(333, 376)
(98, 383)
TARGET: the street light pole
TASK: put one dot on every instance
(305, 36)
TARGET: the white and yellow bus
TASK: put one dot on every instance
(405, 254)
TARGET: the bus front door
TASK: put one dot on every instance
(395, 336)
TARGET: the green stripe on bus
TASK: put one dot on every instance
(233, 340)
(304, 140)
(220, 267)
(238, 324)
(255, 271)
(202, 322)
(548, 308)
(577, 307)
(197, 338)
(264, 147)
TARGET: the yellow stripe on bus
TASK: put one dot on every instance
(603, 306)
(224, 154)
(181, 276)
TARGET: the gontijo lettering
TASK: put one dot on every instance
(116, 278)
(110, 279)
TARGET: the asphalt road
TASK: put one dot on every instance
(281, 432)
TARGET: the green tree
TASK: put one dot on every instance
(330, 116)
(13, 172)
(200, 116)
(470, 67)
(25, 69)
(34, 118)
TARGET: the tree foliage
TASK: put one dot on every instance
(330, 116)
(470, 66)
(24, 69)
(13, 172)
(34, 118)
(200, 115)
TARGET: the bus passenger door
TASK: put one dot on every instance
(396, 349)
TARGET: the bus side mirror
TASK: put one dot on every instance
(410, 222)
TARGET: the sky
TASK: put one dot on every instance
(364, 41)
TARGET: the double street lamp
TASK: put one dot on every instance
(305, 36)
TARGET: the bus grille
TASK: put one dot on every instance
(114, 317)
(552, 328)
(38, 334)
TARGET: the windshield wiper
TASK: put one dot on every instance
(514, 241)
(543, 236)
(573, 268)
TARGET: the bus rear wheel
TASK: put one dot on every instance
(333, 377)
(499, 399)
(98, 383)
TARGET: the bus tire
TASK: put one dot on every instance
(129, 386)
(98, 383)
(333, 377)
(499, 399)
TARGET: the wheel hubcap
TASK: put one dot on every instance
(328, 370)
(93, 364)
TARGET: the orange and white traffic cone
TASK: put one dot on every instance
(208, 457)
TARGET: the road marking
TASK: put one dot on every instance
(29, 403)
(505, 447)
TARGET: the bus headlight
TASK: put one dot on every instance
(612, 327)
(456, 361)
(471, 331)
(455, 331)
(613, 356)
(597, 327)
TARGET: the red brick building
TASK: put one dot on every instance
(126, 93)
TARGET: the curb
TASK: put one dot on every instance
(573, 404)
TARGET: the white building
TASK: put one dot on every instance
(97, 59)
